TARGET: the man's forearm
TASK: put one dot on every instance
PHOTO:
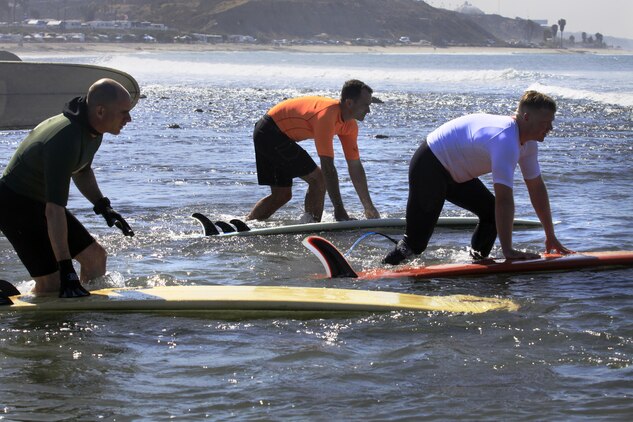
(504, 215)
(331, 183)
(86, 182)
(359, 180)
(540, 202)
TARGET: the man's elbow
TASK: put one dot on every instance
(536, 185)
(355, 165)
(502, 191)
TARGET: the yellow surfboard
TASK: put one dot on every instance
(255, 298)
(31, 92)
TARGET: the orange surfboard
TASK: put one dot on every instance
(337, 266)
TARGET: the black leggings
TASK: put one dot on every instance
(430, 184)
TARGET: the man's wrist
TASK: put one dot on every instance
(66, 265)
(101, 205)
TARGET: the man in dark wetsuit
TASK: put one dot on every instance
(280, 159)
(448, 164)
(35, 186)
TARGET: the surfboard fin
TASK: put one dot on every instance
(7, 289)
(209, 227)
(225, 227)
(4, 299)
(335, 264)
(240, 225)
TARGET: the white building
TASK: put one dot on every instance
(35, 23)
(469, 9)
(109, 24)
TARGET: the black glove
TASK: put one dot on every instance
(69, 282)
(399, 253)
(112, 217)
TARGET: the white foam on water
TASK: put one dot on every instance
(624, 99)
(274, 75)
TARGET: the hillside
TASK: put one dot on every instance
(273, 19)
(267, 20)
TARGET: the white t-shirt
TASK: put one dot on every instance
(477, 144)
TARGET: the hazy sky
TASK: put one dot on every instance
(609, 17)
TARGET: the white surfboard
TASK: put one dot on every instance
(31, 92)
(9, 56)
(214, 299)
(239, 228)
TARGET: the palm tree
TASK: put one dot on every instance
(599, 39)
(554, 29)
(561, 25)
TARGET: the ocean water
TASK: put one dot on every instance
(567, 354)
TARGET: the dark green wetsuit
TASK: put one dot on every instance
(39, 172)
(45, 161)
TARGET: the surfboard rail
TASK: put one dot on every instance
(336, 265)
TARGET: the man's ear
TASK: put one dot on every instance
(100, 111)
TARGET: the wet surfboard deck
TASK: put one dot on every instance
(216, 299)
(336, 265)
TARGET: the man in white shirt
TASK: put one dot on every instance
(447, 166)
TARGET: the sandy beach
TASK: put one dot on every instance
(70, 48)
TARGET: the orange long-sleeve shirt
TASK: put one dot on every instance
(317, 118)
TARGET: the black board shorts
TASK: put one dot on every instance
(279, 158)
(23, 222)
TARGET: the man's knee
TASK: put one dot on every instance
(315, 179)
(101, 254)
(93, 256)
(281, 197)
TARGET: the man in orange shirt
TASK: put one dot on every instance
(280, 159)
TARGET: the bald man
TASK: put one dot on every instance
(35, 185)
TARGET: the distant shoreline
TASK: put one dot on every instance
(82, 48)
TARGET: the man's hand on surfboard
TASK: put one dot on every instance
(69, 285)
